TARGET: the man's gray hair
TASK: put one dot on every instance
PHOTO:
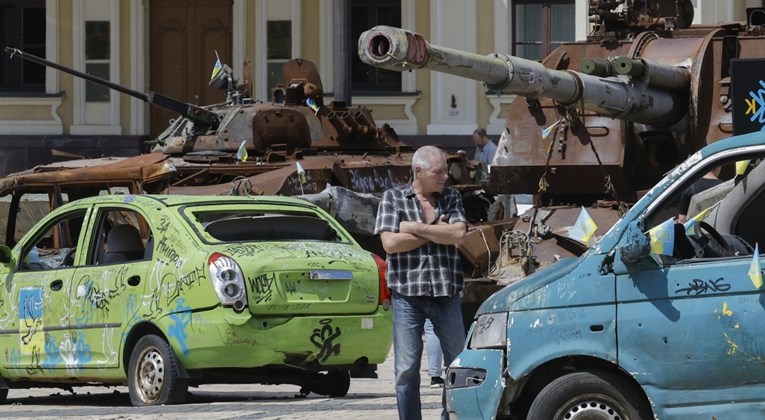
(424, 156)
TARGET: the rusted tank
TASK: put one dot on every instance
(597, 121)
(242, 137)
(295, 144)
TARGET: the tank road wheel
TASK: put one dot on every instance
(590, 395)
(153, 375)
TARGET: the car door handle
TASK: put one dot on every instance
(134, 280)
(56, 285)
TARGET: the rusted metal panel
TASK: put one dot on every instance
(142, 169)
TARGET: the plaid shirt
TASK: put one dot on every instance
(432, 269)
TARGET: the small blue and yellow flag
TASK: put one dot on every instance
(663, 237)
(690, 225)
(301, 173)
(546, 132)
(755, 274)
(312, 104)
(241, 153)
(583, 228)
(217, 68)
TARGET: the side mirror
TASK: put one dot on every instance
(633, 247)
(5, 255)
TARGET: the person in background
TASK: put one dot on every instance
(484, 147)
(435, 357)
(420, 225)
(709, 180)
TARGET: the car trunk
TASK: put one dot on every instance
(310, 277)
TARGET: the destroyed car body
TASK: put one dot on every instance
(657, 320)
(163, 292)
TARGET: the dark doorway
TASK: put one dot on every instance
(183, 38)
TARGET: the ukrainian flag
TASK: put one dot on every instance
(301, 173)
(546, 132)
(663, 237)
(690, 225)
(217, 68)
(755, 274)
(583, 228)
(241, 154)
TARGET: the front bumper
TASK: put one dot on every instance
(474, 384)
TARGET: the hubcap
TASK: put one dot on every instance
(592, 410)
(151, 375)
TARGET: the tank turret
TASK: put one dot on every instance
(603, 117)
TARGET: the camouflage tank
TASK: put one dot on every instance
(597, 122)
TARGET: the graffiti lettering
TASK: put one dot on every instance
(194, 277)
(167, 250)
(566, 333)
(323, 338)
(262, 285)
(698, 287)
(164, 224)
(233, 339)
(243, 250)
(484, 324)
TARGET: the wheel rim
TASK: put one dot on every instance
(150, 375)
(592, 408)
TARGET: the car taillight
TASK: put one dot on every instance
(384, 298)
(228, 281)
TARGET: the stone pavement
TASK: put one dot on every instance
(366, 399)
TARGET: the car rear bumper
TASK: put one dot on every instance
(220, 338)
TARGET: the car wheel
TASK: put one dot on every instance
(153, 375)
(336, 383)
(585, 395)
(3, 395)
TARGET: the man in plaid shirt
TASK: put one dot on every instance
(420, 225)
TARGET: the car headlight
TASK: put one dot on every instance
(490, 331)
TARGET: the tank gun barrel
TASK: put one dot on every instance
(397, 49)
(200, 116)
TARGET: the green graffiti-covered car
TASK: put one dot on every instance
(166, 292)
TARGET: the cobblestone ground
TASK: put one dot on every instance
(366, 399)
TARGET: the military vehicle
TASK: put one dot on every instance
(598, 122)
(331, 154)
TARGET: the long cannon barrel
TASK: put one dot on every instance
(200, 116)
(632, 100)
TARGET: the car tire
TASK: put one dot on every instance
(3, 395)
(153, 374)
(588, 395)
(336, 383)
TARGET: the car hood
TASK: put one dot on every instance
(511, 297)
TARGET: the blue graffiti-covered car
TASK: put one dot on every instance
(657, 320)
(161, 293)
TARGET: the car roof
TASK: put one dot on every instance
(178, 200)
